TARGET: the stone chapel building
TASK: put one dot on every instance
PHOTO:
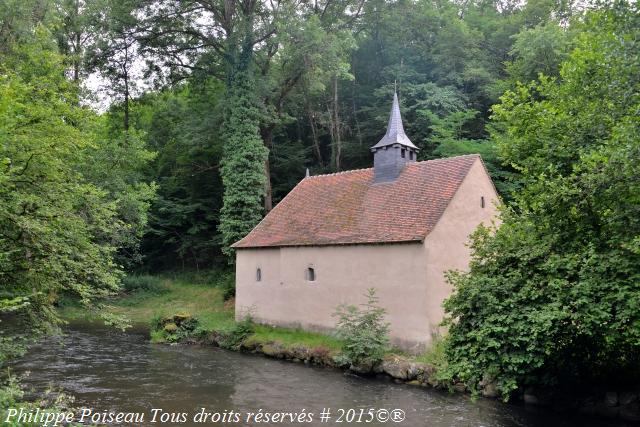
(396, 227)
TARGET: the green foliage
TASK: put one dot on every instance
(174, 328)
(55, 226)
(364, 332)
(245, 155)
(18, 18)
(228, 285)
(183, 127)
(11, 346)
(240, 332)
(553, 294)
(450, 137)
(117, 162)
(185, 330)
(143, 282)
(110, 318)
(540, 50)
(73, 197)
(12, 396)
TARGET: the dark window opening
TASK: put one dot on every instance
(311, 274)
(410, 155)
(402, 153)
(258, 275)
(482, 201)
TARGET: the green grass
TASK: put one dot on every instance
(172, 296)
(294, 338)
(200, 295)
(434, 355)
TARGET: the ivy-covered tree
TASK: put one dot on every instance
(244, 155)
(552, 296)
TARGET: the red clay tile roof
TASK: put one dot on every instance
(348, 208)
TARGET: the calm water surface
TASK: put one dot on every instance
(123, 372)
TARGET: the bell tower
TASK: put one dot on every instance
(394, 150)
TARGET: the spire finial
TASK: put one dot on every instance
(395, 131)
(306, 175)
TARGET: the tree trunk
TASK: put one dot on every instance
(125, 74)
(336, 146)
(314, 130)
(77, 48)
(268, 196)
(267, 138)
(76, 61)
(126, 101)
(355, 113)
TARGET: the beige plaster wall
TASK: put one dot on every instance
(409, 277)
(446, 246)
(343, 275)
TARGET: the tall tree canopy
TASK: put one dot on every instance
(217, 107)
(553, 295)
(322, 75)
(74, 198)
(57, 228)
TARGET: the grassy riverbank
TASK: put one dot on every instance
(148, 298)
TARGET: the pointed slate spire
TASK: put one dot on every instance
(306, 175)
(394, 150)
(395, 131)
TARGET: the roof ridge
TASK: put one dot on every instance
(338, 173)
(440, 159)
(421, 161)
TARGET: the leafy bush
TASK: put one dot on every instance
(239, 333)
(184, 330)
(228, 286)
(364, 332)
(11, 347)
(10, 394)
(142, 282)
(552, 296)
(174, 328)
(13, 397)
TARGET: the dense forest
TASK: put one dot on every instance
(194, 87)
(149, 135)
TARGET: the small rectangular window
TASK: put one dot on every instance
(410, 155)
(258, 275)
(311, 274)
(402, 153)
(482, 201)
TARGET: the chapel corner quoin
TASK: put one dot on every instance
(396, 227)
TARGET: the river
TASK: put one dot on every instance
(122, 372)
